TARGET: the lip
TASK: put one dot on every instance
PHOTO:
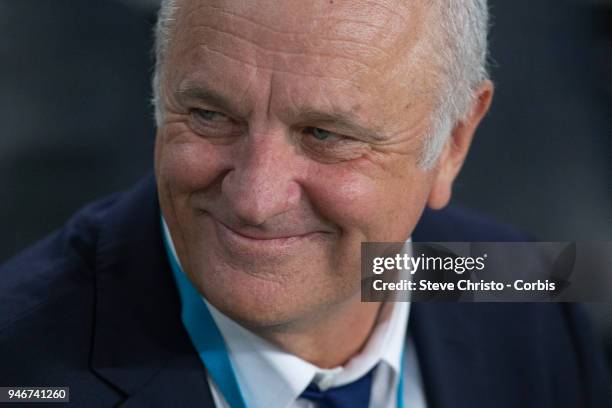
(258, 243)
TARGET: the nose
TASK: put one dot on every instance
(262, 183)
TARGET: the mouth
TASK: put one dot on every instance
(259, 242)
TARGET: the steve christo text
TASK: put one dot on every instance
(464, 285)
(457, 264)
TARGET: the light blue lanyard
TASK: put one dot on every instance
(209, 342)
(205, 335)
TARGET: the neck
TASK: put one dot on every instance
(328, 341)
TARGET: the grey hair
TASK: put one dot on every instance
(163, 35)
(462, 52)
(461, 47)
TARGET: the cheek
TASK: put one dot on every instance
(383, 207)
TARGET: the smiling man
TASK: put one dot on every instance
(288, 134)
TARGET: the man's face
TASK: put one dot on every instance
(292, 133)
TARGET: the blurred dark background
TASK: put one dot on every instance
(77, 123)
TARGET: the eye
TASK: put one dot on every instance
(330, 147)
(321, 134)
(208, 115)
(214, 125)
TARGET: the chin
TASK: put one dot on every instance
(257, 297)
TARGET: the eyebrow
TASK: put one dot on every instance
(191, 91)
(338, 120)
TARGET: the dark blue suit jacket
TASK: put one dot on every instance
(94, 307)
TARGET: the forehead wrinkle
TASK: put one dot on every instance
(348, 47)
(349, 55)
(288, 49)
(269, 50)
(388, 12)
(274, 69)
(246, 19)
(245, 25)
(316, 20)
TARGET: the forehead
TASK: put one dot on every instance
(352, 48)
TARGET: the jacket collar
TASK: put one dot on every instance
(450, 359)
(139, 344)
(447, 341)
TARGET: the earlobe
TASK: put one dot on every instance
(441, 186)
(456, 148)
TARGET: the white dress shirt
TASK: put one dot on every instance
(272, 378)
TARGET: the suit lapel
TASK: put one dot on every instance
(140, 345)
(451, 363)
(447, 344)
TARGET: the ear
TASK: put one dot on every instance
(456, 148)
